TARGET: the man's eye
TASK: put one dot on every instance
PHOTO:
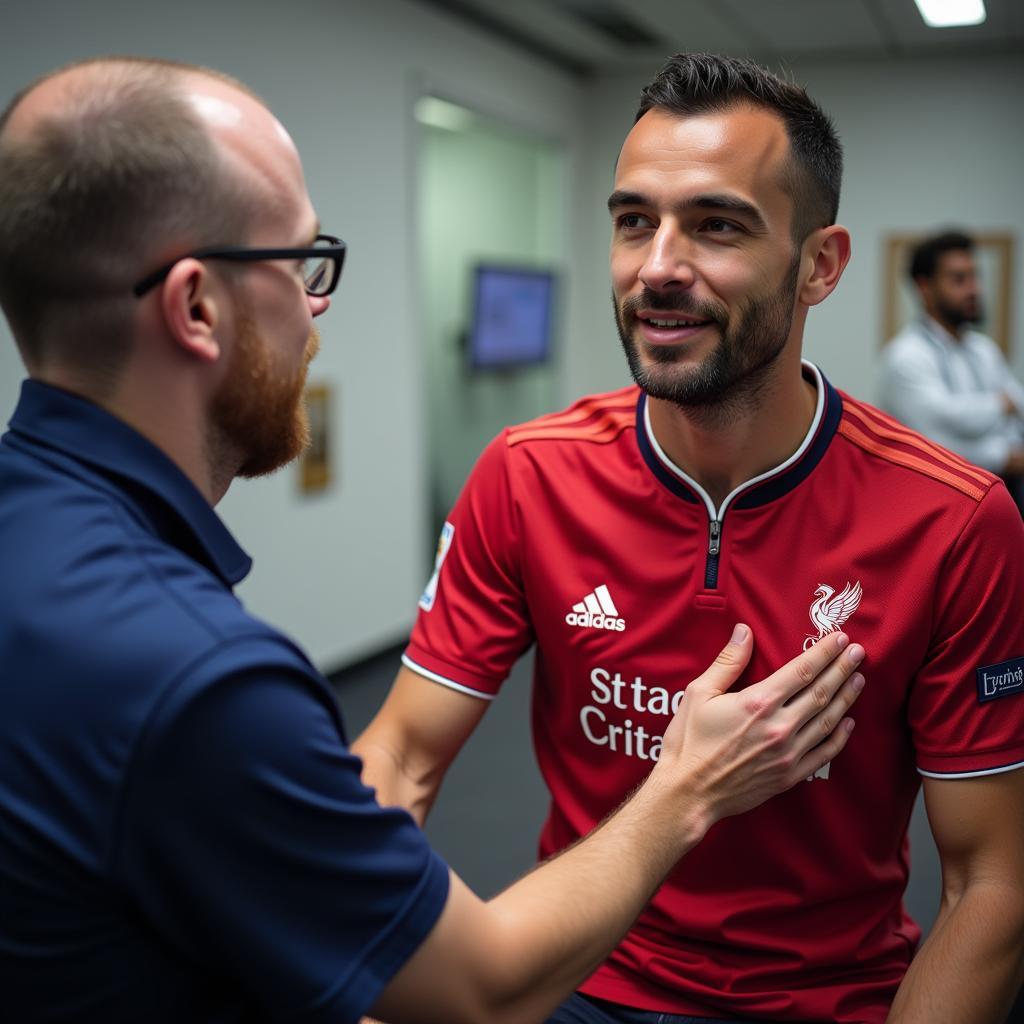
(716, 225)
(633, 220)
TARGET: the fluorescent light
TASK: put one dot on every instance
(442, 114)
(947, 13)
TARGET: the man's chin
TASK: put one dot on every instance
(279, 449)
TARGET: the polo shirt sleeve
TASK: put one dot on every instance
(966, 706)
(251, 845)
(473, 621)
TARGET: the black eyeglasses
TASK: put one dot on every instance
(321, 263)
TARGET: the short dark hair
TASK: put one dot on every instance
(91, 194)
(699, 83)
(924, 257)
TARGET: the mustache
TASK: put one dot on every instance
(671, 302)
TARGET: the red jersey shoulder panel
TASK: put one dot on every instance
(881, 435)
(596, 418)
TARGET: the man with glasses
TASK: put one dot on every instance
(183, 833)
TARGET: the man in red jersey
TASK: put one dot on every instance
(624, 536)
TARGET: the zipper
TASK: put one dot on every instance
(714, 544)
(716, 516)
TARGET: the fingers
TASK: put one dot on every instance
(823, 727)
(818, 699)
(796, 676)
(816, 759)
(723, 672)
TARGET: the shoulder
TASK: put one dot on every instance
(900, 454)
(594, 419)
(909, 344)
(114, 607)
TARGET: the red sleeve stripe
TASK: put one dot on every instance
(594, 420)
(911, 461)
(886, 428)
(586, 407)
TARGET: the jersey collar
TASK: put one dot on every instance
(765, 487)
(86, 438)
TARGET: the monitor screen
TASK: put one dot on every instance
(512, 317)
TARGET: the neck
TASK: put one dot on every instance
(722, 447)
(169, 416)
(955, 331)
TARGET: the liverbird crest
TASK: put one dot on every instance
(831, 610)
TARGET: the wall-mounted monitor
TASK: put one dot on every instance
(513, 317)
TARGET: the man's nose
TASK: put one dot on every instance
(669, 261)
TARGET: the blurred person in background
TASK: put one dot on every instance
(947, 380)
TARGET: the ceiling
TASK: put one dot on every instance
(588, 37)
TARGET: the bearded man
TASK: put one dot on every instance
(943, 377)
(624, 535)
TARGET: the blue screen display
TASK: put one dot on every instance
(512, 317)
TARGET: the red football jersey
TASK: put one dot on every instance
(576, 533)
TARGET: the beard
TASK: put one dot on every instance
(727, 381)
(958, 315)
(258, 414)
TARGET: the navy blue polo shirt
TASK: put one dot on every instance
(183, 832)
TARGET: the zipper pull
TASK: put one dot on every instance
(716, 530)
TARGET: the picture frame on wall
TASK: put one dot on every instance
(315, 463)
(994, 254)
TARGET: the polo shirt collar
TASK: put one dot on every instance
(145, 476)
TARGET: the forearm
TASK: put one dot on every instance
(395, 778)
(600, 886)
(918, 395)
(972, 964)
(412, 740)
(515, 958)
(968, 416)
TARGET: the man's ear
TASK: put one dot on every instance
(828, 251)
(190, 310)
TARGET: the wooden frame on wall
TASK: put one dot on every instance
(994, 252)
(315, 462)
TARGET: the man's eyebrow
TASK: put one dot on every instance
(709, 201)
(622, 198)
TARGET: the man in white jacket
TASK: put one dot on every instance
(946, 379)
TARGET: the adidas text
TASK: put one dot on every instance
(589, 619)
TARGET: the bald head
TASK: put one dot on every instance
(108, 168)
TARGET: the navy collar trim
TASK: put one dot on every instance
(768, 487)
(89, 436)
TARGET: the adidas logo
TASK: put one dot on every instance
(597, 611)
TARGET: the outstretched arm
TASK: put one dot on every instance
(972, 964)
(517, 956)
(412, 740)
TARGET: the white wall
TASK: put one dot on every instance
(927, 143)
(341, 572)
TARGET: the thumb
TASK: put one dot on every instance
(734, 657)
